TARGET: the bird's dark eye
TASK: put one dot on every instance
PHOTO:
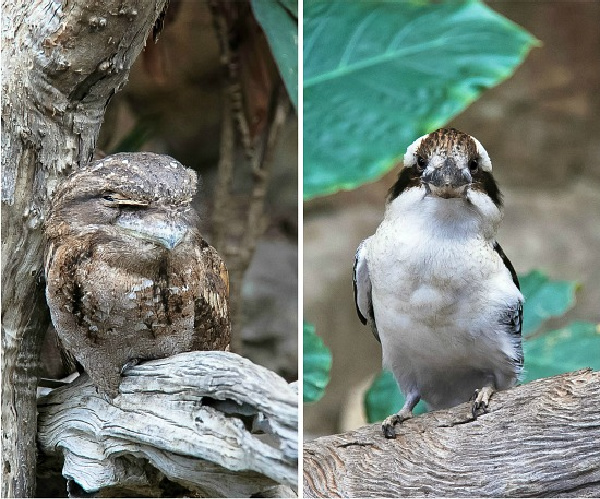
(473, 165)
(108, 197)
(421, 163)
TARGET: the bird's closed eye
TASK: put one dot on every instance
(122, 201)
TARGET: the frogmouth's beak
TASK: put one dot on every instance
(164, 229)
(168, 232)
(446, 180)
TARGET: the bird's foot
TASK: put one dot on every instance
(481, 400)
(388, 423)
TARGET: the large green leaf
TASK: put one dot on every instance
(279, 20)
(317, 364)
(384, 398)
(568, 349)
(378, 74)
(544, 299)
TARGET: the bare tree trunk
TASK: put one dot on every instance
(541, 439)
(62, 62)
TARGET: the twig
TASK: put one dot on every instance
(261, 163)
(238, 246)
(223, 209)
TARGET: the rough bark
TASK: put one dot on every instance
(212, 422)
(539, 439)
(61, 63)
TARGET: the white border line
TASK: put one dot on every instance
(300, 110)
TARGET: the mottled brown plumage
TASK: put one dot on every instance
(129, 276)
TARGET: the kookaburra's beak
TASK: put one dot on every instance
(446, 179)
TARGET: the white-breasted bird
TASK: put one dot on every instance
(435, 286)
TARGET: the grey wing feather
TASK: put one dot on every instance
(514, 322)
(513, 319)
(361, 283)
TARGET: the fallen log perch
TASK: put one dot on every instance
(211, 424)
(540, 439)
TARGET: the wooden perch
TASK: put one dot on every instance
(212, 422)
(539, 439)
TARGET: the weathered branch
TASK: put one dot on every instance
(61, 63)
(539, 439)
(213, 422)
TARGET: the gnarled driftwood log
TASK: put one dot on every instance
(213, 423)
(539, 439)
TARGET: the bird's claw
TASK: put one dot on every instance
(388, 427)
(129, 365)
(481, 400)
(388, 423)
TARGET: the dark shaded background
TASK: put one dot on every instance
(542, 131)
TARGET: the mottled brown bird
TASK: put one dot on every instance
(129, 276)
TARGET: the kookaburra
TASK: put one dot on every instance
(435, 286)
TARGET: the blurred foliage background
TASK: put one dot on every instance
(379, 74)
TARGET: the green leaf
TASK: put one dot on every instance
(568, 349)
(317, 364)
(279, 20)
(544, 298)
(291, 6)
(384, 398)
(379, 74)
